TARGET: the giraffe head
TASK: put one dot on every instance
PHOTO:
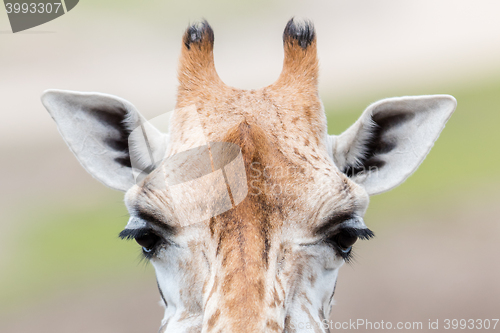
(247, 208)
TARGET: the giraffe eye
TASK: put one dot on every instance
(345, 241)
(342, 242)
(148, 242)
(345, 238)
(145, 237)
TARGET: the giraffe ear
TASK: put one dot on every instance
(390, 140)
(100, 130)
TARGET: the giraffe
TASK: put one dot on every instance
(269, 261)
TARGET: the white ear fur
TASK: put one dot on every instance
(97, 127)
(390, 140)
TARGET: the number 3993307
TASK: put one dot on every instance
(33, 8)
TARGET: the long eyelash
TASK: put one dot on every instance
(147, 256)
(348, 257)
(364, 234)
(133, 233)
(143, 259)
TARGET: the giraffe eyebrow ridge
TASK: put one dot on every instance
(154, 220)
(148, 217)
(149, 223)
(333, 220)
(134, 233)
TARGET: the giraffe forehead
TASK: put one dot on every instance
(282, 183)
(288, 117)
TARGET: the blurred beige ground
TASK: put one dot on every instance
(430, 263)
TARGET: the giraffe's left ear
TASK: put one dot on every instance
(390, 140)
(109, 137)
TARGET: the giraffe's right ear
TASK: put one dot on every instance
(97, 128)
(390, 140)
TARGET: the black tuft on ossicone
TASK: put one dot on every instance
(197, 33)
(303, 32)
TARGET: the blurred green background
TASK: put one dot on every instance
(62, 266)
